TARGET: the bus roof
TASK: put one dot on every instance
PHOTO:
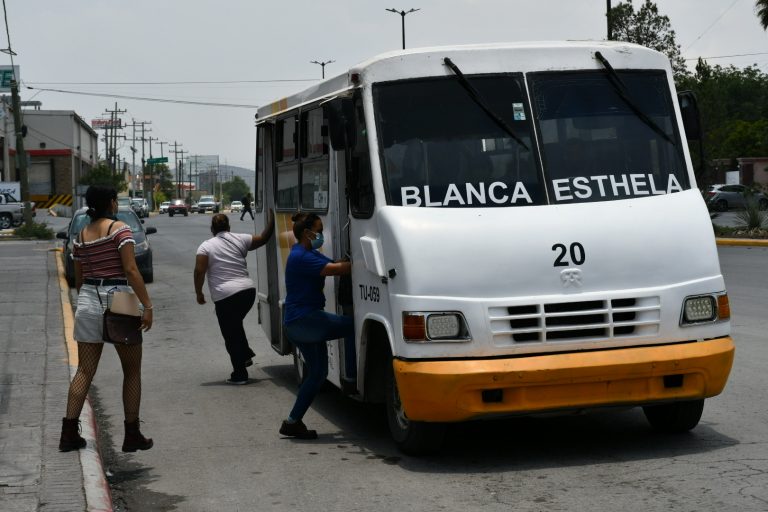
(473, 59)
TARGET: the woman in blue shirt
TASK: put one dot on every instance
(306, 322)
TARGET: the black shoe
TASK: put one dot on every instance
(239, 382)
(297, 430)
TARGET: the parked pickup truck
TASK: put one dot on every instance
(207, 204)
(11, 211)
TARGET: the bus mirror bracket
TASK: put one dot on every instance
(689, 109)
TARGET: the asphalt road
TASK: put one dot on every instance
(217, 446)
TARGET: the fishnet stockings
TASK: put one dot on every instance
(89, 355)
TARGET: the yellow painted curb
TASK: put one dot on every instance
(69, 317)
(742, 242)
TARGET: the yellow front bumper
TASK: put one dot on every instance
(453, 390)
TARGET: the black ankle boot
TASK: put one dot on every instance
(134, 440)
(70, 435)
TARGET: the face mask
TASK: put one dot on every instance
(318, 241)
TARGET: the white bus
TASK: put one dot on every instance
(525, 231)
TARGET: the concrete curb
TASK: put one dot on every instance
(97, 494)
(742, 242)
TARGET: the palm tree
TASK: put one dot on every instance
(762, 12)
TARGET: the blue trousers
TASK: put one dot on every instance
(309, 335)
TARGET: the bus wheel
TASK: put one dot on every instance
(674, 417)
(412, 437)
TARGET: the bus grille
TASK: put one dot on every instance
(576, 321)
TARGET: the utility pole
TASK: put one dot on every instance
(402, 15)
(151, 177)
(154, 178)
(322, 64)
(21, 154)
(112, 134)
(181, 170)
(608, 19)
(143, 160)
(175, 152)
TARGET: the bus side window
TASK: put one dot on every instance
(360, 181)
(314, 161)
(287, 168)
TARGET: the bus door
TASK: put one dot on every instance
(338, 124)
(267, 266)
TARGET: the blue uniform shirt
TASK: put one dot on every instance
(303, 282)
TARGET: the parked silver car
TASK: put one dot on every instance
(140, 206)
(142, 249)
(723, 197)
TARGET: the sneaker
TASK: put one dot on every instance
(297, 430)
(237, 382)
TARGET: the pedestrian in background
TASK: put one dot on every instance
(104, 262)
(223, 259)
(246, 206)
(307, 324)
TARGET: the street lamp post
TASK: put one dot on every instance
(402, 15)
(608, 19)
(322, 64)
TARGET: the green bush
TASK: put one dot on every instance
(751, 217)
(34, 230)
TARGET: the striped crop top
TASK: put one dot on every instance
(100, 258)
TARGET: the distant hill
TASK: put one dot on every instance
(248, 175)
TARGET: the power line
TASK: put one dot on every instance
(712, 25)
(143, 98)
(728, 56)
(9, 51)
(181, 82)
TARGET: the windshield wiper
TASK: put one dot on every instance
(621, 89)
(475, 95)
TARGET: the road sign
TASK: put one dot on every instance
(153, 161)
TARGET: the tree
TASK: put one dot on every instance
(734, 110)
(165, 180)
(647, 27)
(101, 174)
(762, 12)
(234, 189)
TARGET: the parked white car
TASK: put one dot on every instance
(236, 206)
(164, 206)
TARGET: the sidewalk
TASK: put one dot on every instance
(34, 378)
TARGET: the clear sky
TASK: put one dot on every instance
(61, 44)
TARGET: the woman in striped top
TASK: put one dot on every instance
(104, 262)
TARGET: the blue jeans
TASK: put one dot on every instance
(309, 334)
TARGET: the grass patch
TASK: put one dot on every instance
(38, 230)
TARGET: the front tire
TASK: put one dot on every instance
(170, 214)
(411, 437)
(675, 417)
(5, 221)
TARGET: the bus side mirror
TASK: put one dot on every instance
(340, 115)
(689, 109)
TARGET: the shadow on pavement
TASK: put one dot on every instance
(518, 443)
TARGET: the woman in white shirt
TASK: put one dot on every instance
(222, 259)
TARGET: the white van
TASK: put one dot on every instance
(525, 231)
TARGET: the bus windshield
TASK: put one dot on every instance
(439, 148)
(595, 147)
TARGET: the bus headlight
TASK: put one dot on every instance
(437, 326)
(705, 308)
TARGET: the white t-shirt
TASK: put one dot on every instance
(227, 268)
